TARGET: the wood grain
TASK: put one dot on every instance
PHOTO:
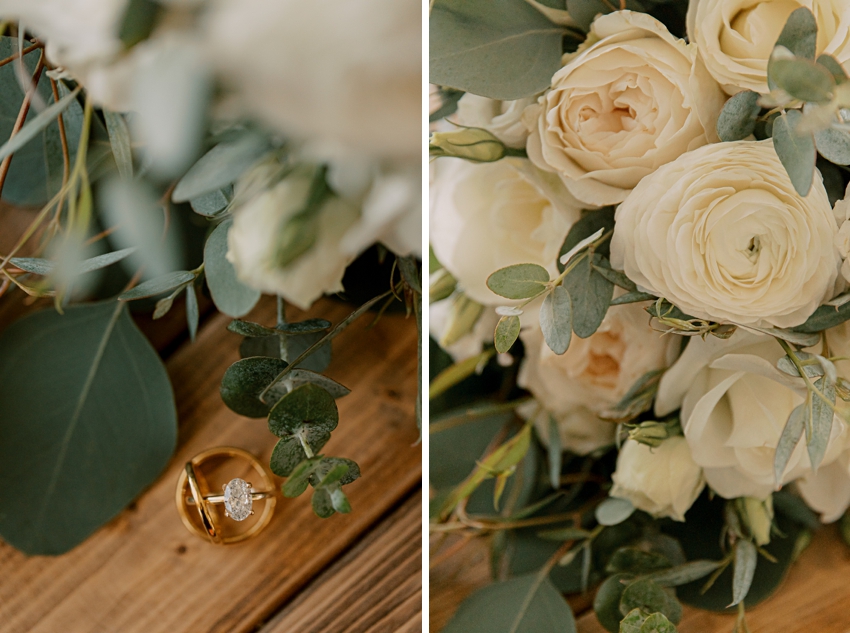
(144, 572)
(374, 588)
(813, 599)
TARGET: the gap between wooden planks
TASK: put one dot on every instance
(813, 599)
(144, 573)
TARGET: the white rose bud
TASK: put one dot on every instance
(490, 215)
(475, 144)
(734, 405)
(634, 99)
(663, 481)
(735, 38)
(503, 119)
(723, 235)
(254, 240)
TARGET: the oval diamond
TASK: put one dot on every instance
(237, 499)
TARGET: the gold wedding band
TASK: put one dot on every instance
(200, 509)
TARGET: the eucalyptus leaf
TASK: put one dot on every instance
(322, 504)
(824, 318)
(618, 279)
(555, 453)
(193, 315)
(606, 604)
(632, 297)
(791, 434)
(520, 281)
(800, 33)
(647, 595)
(307, 326)
(220, 167)
(346, 469)
(556, 320)
(104, 380)
(796, 151)
(834, 145)
(298, 377)
(585, 11)
(309, 405)
(229, 294)
(589, 223)
(212, 203)
(243, 382)
(119, 140)
(158, 285)
(746, 557)
(525, 604)
(249, 329)
(657, 623)
(685, 573)
(613, 510)
(591, 295)
(287, 455)
(821, 421)
(834, 67)
(299, 476)
(633, 560)
(737, 120)
(33, 127)
(502, 49)
(40, 266)
(339, 501)
(803, 79)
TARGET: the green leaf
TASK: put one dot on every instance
(803, 79)
(339, 501)
(647, 595)
(555, 454)
(737, 120)
(298, 343)
(286, 456)
(685, 573)
(220, 166)
(249, 329)
(657, 623)
(67, 383)
(299, 476)
(298, 377)
(591, 295)
(613, 510)
(834, 67)
(564, 534)
(158, 285)
(320, 476)
(243, 382)
(40, 266)
(834, 145)
(556, 320)
(821, 421)
(633, 560)
(334, 475)
(589, 223)
(192, 312)
(800, 34)
(606, 604)
(525, 604)
(797, 152)
(633, 621)
(307, 326)
(229, 294)
(322, 504)
(618, 279)
(458, 372)
(310, 406)
(791, 434)
(507, 331)
(33, 127)
(140, 18)
(463, 315)
(119, 140)
(585, 11)
(632, 297)
(212, 203)
(746, 557)
(520, 281)
(824, 318)
(502, 49)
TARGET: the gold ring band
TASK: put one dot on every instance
(192, 490)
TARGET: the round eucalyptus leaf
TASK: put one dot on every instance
(796, 151)
(606, 604)
(507, 332)
(320, 476)
(249, 329)
(834, 145)
(613, 511)
(737, 120)
(88, 421)
(229, 294)
(288, 453)
(322, 504)
(309, 406)
(243, 382)
(519, 281)
(649, 596)
(588, 224)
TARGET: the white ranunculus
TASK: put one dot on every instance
(503, 119)
(723, 235)
(736, 37)
(344, 72)
(595, 373)
(663, 481)
(253, 240)
(490, 215)
(734, 405)
(630, 101)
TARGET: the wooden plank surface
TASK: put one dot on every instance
(815, 597)
(144, 572)
(375, 588)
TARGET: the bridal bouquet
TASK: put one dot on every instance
(182, 151)
(639, 271)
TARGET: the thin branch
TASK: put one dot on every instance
(22, 116)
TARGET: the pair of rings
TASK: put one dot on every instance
(200, 509)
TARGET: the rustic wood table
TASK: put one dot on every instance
(143, 572)
(815, 597)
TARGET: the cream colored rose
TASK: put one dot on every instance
(594, 374)
(842, 239)
(722, 234)
(634, 99)
(734, 405)
(503, 119)
(253, 240)
(828, 491)
(736, 37)
(663, 481)
(487, 216)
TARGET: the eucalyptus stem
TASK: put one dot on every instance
(22, 116)
(809, 384)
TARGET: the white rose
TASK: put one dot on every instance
(736, 37)
(842, 239)
(579, 430)
(734, 405)
(828, 491)
(345, 72)
(594, 374)
(634, 99)
(253, 241)
(722, 234)
(503, 119)
(663, 481)
(490, 215)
